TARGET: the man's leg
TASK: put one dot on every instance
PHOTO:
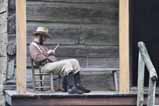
(58, 68)
(65, 83)
(78, 83)
(65, 68)
(75, 66)
(76, 70)
(72, 89)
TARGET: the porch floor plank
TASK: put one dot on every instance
(49, 93)
(95, 98)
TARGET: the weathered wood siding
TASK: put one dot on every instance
(86, 29)
(3, 46)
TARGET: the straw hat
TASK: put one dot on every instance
(42, 31)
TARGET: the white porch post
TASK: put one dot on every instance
(21, 46)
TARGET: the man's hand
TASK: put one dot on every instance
(51, 52)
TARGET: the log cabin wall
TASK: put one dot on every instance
(86, 30)
(3, 46)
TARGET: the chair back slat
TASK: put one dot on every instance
(33, 66)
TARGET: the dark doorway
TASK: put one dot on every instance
(144, 26)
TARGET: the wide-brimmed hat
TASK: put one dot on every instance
(42, 31)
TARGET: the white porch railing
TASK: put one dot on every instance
(144, 60)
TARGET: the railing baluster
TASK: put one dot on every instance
(151, 93)
(140, 94)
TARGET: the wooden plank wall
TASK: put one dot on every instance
(3, 46)
(86, 29)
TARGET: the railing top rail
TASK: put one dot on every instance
(146, 58)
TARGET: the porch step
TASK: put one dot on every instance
(64, 99)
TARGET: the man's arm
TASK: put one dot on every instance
(36, 55)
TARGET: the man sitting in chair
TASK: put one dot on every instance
(69, 68)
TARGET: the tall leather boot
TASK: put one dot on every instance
(64, 83)
(78, 83)
(72, 89)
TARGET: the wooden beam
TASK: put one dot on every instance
(21, 46)
(124, 46)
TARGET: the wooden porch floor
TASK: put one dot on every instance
(49, 93)
(95, 98)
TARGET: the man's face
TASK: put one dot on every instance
(42, 39)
